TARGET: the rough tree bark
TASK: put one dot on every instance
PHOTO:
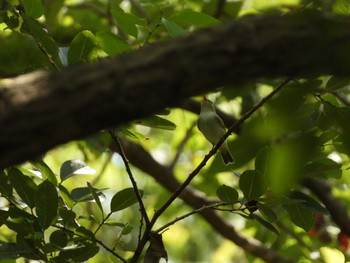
(43, 109)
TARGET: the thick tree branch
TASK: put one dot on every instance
(337, 210)
(140, 158)
(43, 109)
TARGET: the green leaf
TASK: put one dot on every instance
(43, 39)
(96, 197)
(74, 167)
(3, 216)
(13, 250)
(324, 166)
(33, 8)
(267, 212)
(336, 83)
(41, 166)
(5, 187)
(308, 202)
(155, 121)
(300, 216)
(83, 194)
(112, 44)
(123, 199)
(59, 238)
(78, 254)
(331, 255)
(83, 48)
(174, 30)
(127, 229)
(82, 231)
(253, 184)
(12, 20)
(68, 217)
(126, 21)
(193, 18)
(227, 194)
(46, 204)
(22, 222)
(262, 159)
(114, 223)
(24, 186)
(65, 195)
(266, 224)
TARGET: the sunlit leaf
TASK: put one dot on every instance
(41, 166)
(124, 199)
(75, 167)
(46, 204)
(227, 194)
(83, 48)
(112, 44)
(331, 255)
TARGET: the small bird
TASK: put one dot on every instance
(213, 128)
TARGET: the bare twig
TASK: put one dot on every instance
(131, 177)
(195, 211)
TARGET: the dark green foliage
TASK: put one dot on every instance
(301, 132)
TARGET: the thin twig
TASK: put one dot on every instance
(131, 177)
(195, 211)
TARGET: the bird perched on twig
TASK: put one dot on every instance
(213, 128)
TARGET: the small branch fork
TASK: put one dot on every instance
(190, 177)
